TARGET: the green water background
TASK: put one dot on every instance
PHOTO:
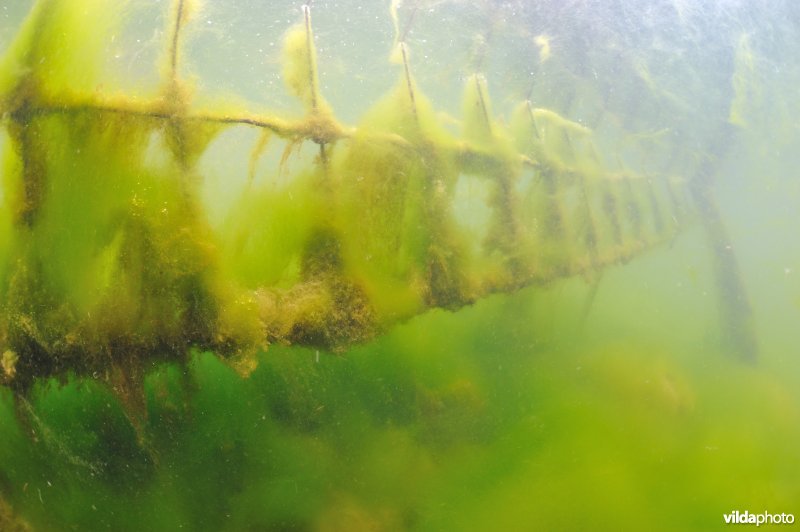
(515, 413)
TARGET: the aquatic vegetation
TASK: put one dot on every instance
(117, 284)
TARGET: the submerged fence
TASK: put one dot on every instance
(111, 264)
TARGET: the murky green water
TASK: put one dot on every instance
(574, 393)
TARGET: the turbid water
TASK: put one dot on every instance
(406, 266)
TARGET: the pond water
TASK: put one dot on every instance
(407, 265)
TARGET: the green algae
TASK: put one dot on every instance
(119, 312)
(54, 59)
(371, 238)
